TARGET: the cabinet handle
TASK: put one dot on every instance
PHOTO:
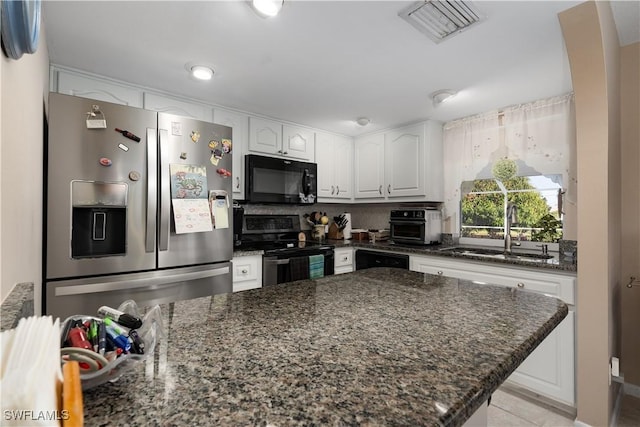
(238, 182)
(280, 151)
(285, 153)
(345, 258)
(380, 189)
(521, 285)
(337, 190)
(245, 271)
(332, 190)
(389, 189)
(439, 273)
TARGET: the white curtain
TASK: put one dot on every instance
(468, 144)
(539, 136)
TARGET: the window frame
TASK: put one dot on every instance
(528, 245)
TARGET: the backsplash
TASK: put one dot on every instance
(370, 216)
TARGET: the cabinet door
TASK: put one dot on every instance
(343, 161)
(325, 158)
(247, 272)
(102, 90)
(549, 370)
(165, 104)
(405, 161)
(298, 143)
(240, 125)
(265, 136)
(343, 260)
(369, 166)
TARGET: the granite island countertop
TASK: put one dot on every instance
(373, 347)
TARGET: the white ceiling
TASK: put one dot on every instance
(320, 63)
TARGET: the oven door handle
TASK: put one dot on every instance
(276, 261)
(401, 222)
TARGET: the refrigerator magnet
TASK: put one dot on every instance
(176, 128)
(214, 160)
(226, 145)
(218, 153)
(195, 136)
(105, 161)
(134, 175)
(183, 155)
(213, 144)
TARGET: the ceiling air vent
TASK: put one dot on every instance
(440, 20)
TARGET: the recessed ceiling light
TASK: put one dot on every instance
(267, 8)
(443, 95)
(201, 72)
(363, 121)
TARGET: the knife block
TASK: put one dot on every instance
(334, 232)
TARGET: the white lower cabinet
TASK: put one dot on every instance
(550, 370)
(343, 260)
(247, 272)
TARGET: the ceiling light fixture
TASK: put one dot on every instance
(363, 121)
(201, 72)
(439, 20)
(443, 95)
(267, 8)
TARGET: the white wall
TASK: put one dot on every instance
(24, 86)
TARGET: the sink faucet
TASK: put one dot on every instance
(510, 217)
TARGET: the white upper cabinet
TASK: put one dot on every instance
(404, 172)
(334, 156)
(265, 136)
(95, 88)
(400, 164)
(274, 138)
(165, 104)
(298, 143)
(240, 124)
(369, 166)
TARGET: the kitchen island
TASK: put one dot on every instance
(374, 347)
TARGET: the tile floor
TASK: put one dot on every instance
(509, 410)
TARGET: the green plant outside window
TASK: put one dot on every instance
(537, 199)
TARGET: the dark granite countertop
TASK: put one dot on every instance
(373, 347)
(555, 263)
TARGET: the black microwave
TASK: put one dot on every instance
(276, 180)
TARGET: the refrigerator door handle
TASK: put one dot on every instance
(152, 283)
(152, 190)
(165, 191)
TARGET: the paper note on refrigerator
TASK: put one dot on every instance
(191, 215)
(219, 203)
(188, 181)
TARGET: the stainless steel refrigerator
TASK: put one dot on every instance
(137, 206)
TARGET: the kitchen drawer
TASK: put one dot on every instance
(343, 257)
(343, 260)
(558, 285)
(247, 272)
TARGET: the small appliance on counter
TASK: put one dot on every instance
(416, 226)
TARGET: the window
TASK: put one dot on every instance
(538, 200)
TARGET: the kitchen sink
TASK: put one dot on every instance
(496, 253)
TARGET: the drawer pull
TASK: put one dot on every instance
(245, 271)
(521, 285)
(345, 258)
(440, 273)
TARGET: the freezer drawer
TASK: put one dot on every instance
(84, 296)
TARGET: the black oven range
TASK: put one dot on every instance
(285, 258)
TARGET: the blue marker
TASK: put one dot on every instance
(120, 340)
